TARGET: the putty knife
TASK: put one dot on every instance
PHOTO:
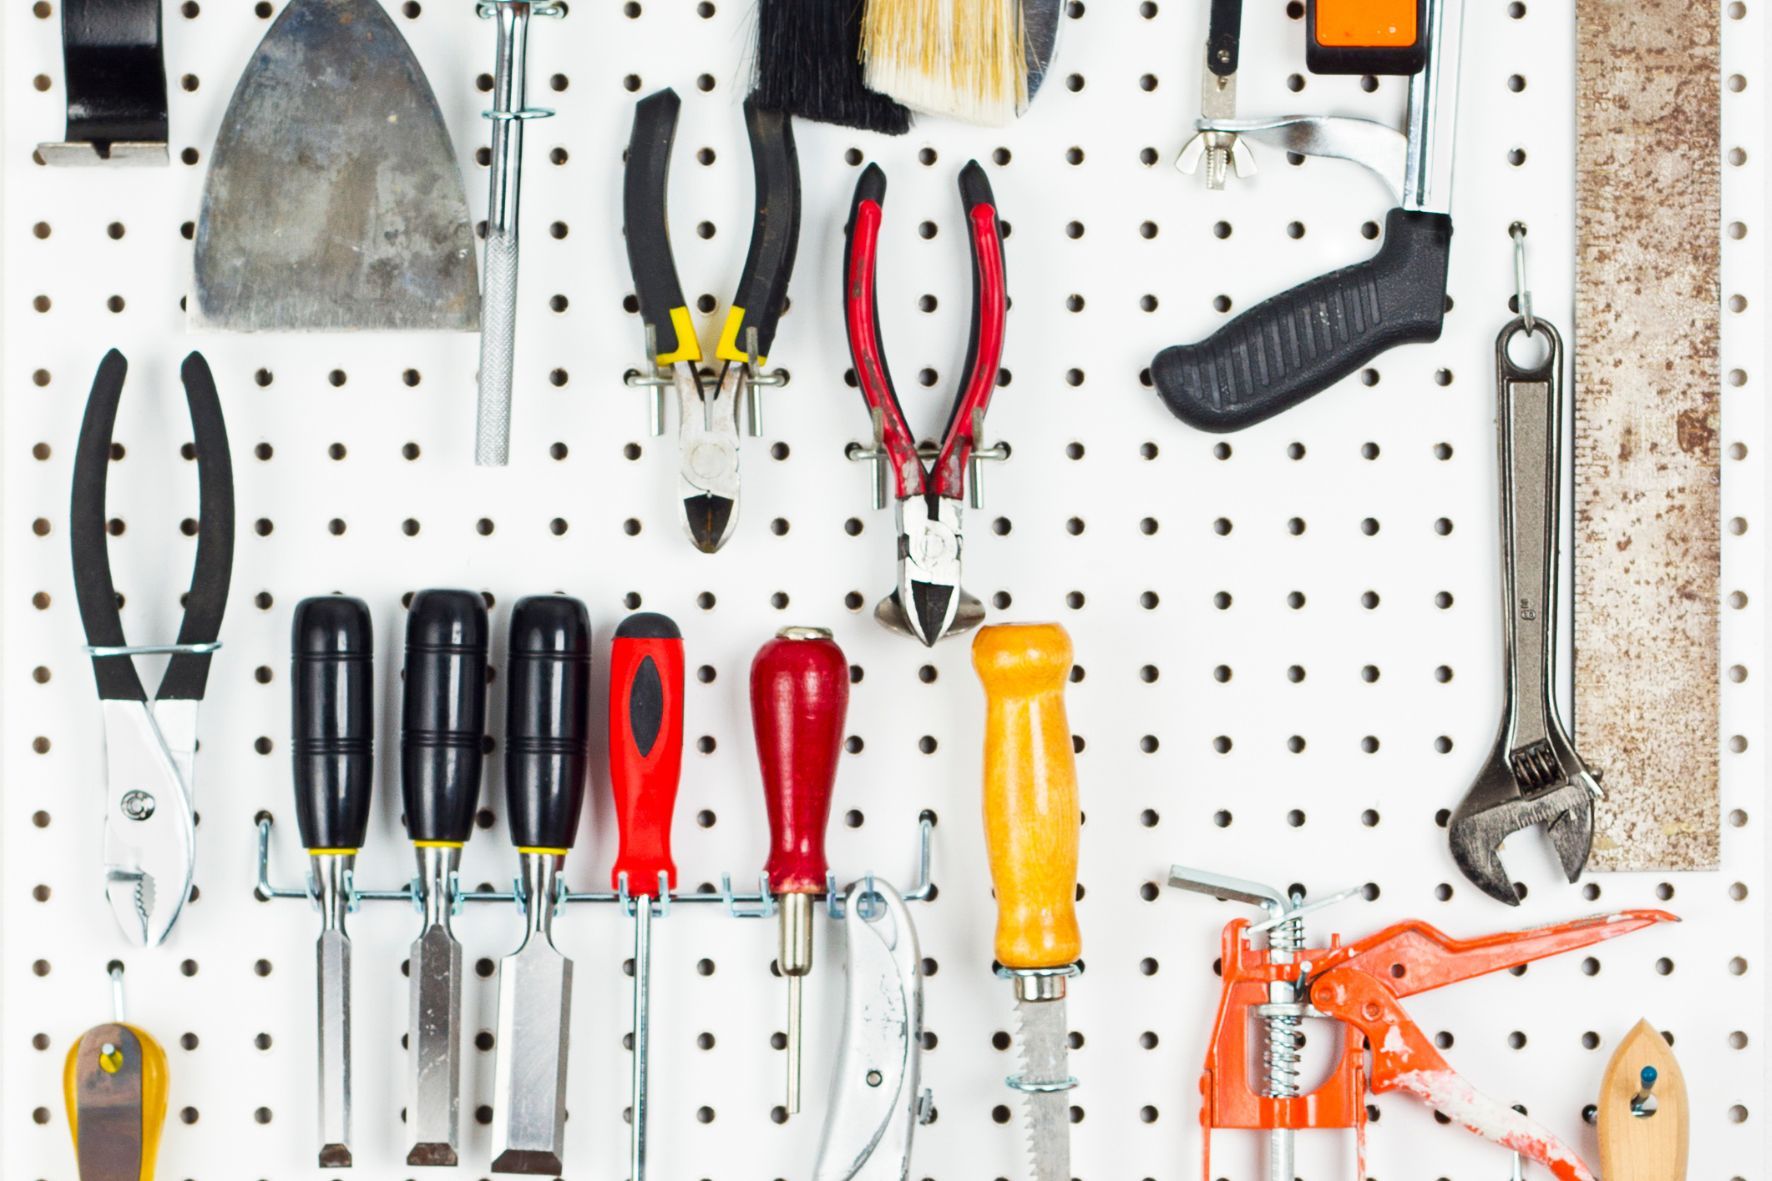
(333, 200)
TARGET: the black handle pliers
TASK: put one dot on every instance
(151, 746)
(708, 404)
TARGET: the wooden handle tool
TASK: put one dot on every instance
(1031, 820)
(799, 700)
(1642, 1115)
(1032, 824)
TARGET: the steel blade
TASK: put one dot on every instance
(333, 199)
(534, 1019)
(433, 1115)
(1039, 31)
(332, 955)
(1045, 1060)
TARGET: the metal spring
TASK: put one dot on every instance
(1281, 1050)
(1535, 766)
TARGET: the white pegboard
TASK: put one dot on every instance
(1223, 725)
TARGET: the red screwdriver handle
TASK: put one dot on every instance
(799, 698)
(645, 747)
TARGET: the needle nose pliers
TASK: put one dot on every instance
(151, 745)
(708, 405)
(928, 601)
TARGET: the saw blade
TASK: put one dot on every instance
(1045, 1061)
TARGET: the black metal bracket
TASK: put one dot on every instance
(115, 75)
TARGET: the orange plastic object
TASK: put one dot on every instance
(1362, 984)
(1031, 819)
(1366, 24)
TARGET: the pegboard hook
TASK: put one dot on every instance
(760, 904)
(654, 380)
(879, 456)
(1522, 293)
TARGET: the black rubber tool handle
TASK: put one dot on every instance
(775, 235)
(644, 187)
(547, 723)
(1299, 343)
(1224, 35)
(186, 672)
(443, 718)
(332, 669)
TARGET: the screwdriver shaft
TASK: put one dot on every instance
(642, 1035)
(795, 961)
(793, 1105)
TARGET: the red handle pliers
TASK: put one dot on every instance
(928, 601)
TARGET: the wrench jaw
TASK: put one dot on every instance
(1496, 808)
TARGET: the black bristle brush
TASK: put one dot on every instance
(809, 64)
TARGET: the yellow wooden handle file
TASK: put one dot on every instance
(1031, 818)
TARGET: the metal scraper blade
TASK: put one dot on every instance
(1039, 38)
(333, 200)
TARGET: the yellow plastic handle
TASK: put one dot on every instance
(146, 1089)
(1031, 819)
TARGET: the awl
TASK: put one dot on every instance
(547, 756)
(332, 694)
(799, 699)
(1031, 825)
(645, 766)
(442, 729)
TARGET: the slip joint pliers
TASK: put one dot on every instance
(151, 744)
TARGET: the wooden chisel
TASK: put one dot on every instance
(333, 728)
(443, 727)
(547, 756)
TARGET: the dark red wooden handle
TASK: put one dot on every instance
(645, 747)
(799, 698)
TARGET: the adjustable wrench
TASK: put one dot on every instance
(1533, 775)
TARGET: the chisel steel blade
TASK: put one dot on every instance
(1045, 1060)
(534, 1019)
(333, 973)
(433, 1115)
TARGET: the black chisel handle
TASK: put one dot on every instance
(332, 726)
(443, 717)
(1302, 341)
(547, 724)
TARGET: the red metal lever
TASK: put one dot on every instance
(799, 699)
(645, 748)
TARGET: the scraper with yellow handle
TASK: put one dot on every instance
(115, 1083)
(1031, 823)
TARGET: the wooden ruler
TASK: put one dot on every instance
(1647, 501)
